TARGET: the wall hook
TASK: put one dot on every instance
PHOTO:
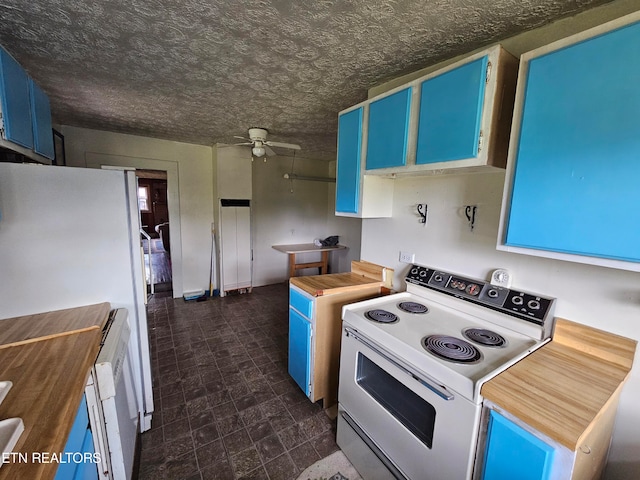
(470, 213)
(422, 211)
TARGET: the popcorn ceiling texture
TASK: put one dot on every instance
(201, 71)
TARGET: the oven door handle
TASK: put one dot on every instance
(439, 390)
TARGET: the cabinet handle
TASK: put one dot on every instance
(586, 449)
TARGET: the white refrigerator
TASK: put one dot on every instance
(70, 237)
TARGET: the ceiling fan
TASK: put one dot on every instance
(260, 145)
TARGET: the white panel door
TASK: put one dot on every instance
(243, 245)
(229, 252)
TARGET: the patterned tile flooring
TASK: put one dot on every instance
(225, 406)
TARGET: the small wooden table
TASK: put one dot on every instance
(292, 250)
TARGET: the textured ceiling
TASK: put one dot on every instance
(201, 71)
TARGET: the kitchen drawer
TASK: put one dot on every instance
(301, 302)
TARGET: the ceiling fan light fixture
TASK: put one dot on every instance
(258, 151)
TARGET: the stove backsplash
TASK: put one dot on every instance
(526, 306)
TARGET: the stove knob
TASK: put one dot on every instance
(462, 286)
(423, 273)
(473, 289)
(438, 277)
(517, 300)
(534, 304)
(493, 293)
(414, 270)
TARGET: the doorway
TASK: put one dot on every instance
(154, 220)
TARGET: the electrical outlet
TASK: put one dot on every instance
(407, 257)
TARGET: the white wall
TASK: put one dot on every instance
(190, 180)
(600, 297)
(286, 212)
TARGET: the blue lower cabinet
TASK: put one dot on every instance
(514, 453)
(76, 462)
(300, 350)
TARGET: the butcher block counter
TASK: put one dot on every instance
(362, 274)
(319, 285)
(48, 357)
(568, 390)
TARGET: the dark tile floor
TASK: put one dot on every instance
(225, 406)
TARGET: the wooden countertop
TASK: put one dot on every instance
(319, 285)
(306, 248)
(49, 374)
(28, 328)
(563, 386)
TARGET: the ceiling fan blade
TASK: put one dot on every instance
(241, 138)
(242, 144)
(268, 151)
(291, 146)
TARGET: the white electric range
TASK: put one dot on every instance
(412, 365)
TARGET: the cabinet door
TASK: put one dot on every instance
(41, 117)
(348, 162)
(229, 240)
(450, 114)
(300, 350)
(77, 443)
(575, 183)
(14, 93)
(87, 470)
(514, 453)
(243, 229)
(388, 130)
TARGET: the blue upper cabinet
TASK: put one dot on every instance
(14, 93)
(358, 195)
(41, 116)
(457, 117)
(513, 453)
(572, 187)
(463, 111)
(348, 162)
(450, 116)
(387, 137)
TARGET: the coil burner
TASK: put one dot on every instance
(413, 307)
(452, 349)
(484, 337)
(381, 316)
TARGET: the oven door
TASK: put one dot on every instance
(426, 431)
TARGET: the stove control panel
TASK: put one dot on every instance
(531, 307)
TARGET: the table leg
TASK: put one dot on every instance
(292, 265)
(325, 262)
